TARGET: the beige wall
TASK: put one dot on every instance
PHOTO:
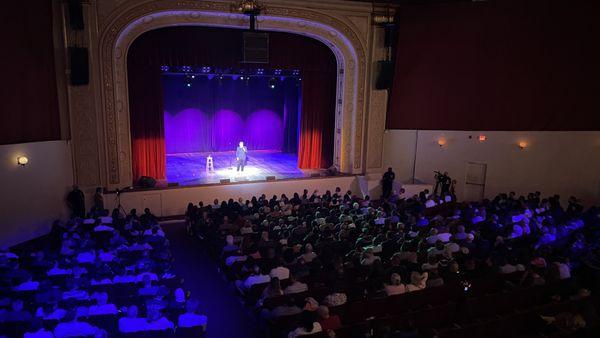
(33, 195)
(567, 163)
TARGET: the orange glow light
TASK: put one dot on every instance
(482, 138)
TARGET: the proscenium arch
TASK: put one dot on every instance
(126, 27)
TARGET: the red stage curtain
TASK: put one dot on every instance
(316, 126)
(28, 99)
(146, 121)
(203, 46)
(497, 65)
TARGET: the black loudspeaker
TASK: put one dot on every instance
(225, 181)
(390, 35)
(386, 74)
(147, 182)
(271, 178)
(75, 15)
(78, 60)
(256, 47)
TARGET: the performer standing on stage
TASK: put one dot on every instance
(240, 156)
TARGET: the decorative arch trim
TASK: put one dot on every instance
(125, 26)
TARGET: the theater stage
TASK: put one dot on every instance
(190, 168)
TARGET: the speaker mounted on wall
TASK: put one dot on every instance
(76, 15)
(256, 47)
(385, 75)
(78, 61)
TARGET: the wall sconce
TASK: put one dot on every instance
(522, 145)
(482, 138)
(441, 142)
(22, 160)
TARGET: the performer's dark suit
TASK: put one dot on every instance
(240, 157)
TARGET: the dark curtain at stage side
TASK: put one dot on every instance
(316, 132)
(497, 65)
(202, 46)
(146, 121)
(215, 114)
(28, 96)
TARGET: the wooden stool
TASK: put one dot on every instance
(210, 167)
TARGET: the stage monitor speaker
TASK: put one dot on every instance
(75, 15)
(78, 60)
(256, 47)
(315, 175)
(389, 39)
(386, 75)
(225, 181)
(172, 184)
(147, 182)
(271, 178)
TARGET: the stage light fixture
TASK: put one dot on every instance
(272, 83)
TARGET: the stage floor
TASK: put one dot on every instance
(190, 168)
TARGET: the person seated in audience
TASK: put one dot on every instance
(308, 325)
(148, 218)
(28, 285)
(56, 270)
(71, 326)
(74, 292)
(271, 291)
(50, 311)
(179, 300)
(131, 323)
(418, 281)
(123, 276)
(191, 318)
(280, 271)
(328, 322)
(145, 275)
(102, 306)
(369, 257)
(17, 313)
(230, 247)
(295, 286)
(395, 287)
(310, 304)
(37, 330)
(308, 255)
(337, 297)
(257, 277)
(155, 321)
(147, 289)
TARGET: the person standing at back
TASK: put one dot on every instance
(387, 182)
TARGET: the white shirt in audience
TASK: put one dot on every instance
(42, 333)
(74, 329)
(27, 286)
(106, 309)
(86, 257)
(160, 324)
(302, 332)
(296, 287)
(127, 324)
(103, 227)
(140, 277)
(124, 279)
(256, 279)
(57, 314)
(191, 320)
(280, 272)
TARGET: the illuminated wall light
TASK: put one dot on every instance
(22, 160)
(482, 138)
(441, 142)
(523, 145)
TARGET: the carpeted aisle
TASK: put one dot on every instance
(227, 317)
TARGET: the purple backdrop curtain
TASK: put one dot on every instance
(214, 115)
(203, 46)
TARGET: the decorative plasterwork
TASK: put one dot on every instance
(124, 26)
